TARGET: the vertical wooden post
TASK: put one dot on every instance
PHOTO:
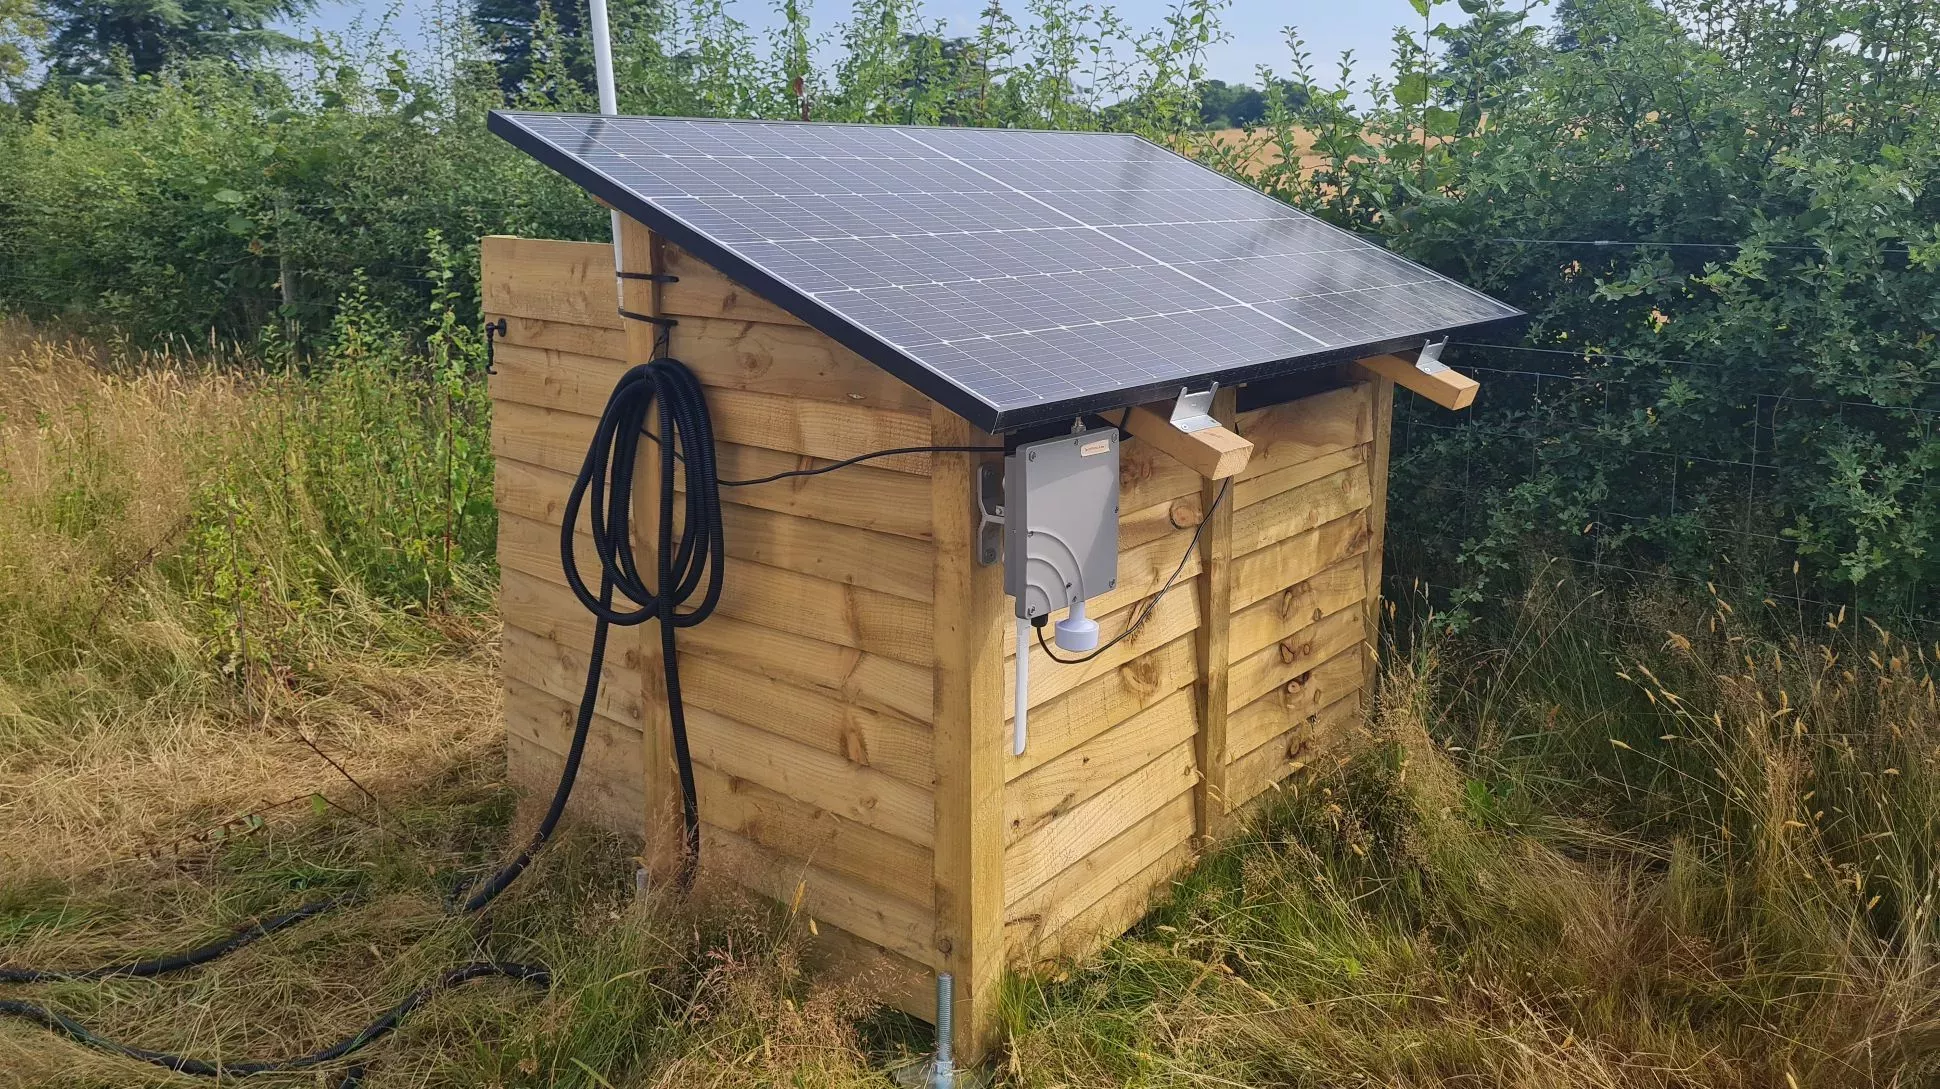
(660, 823)
(1210, 798)
(1382, 396)
(969, 741)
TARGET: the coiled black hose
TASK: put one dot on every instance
(684, 436)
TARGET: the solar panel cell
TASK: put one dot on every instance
(1016, 276)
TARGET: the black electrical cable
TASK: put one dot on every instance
(146, 969)
(1150, 606)
(81, 1034)
(859, 458)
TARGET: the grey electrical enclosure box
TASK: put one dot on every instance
(1061, 521)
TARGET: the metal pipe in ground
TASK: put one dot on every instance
(943, 1072)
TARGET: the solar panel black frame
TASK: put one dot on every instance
(940, 387)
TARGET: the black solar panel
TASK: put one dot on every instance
(1015, 276)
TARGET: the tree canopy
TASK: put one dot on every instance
(90, 38)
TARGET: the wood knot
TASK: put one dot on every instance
(1185, 514)
(854, 747)
(1141, 673)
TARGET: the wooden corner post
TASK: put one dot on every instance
(640, 253)
(1382, 396)
(1210, 796)
(969, 742)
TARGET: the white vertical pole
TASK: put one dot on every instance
(1019, 732)
(610, 107)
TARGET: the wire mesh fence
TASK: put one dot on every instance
(1552, 422)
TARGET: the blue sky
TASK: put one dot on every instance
(1256, 26)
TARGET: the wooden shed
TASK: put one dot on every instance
(847, 704)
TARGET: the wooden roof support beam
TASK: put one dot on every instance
(1214, 453)
(1447, 388)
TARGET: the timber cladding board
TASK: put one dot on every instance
(1284, 436)
(1070, 836)
(561, 671)
(781, 360)
(847, 700)
(770, 597)
(824, 780)
(834, 551)
(797, 829)
(1056, 786)
(556, 437)
(864, 498)
(1252, 774)
(539, 729)
(1120, 907)
(891, 922)
(865, 737)
(1174, 616)
(1254, 675)
(567, 282)
(606, 802)
(1300, 509)
(572, 283)
(1079, 714)
(1036, 919)
(1306, 694)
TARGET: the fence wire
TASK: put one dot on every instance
(1715, 498)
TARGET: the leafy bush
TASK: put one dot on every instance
(1724, 221)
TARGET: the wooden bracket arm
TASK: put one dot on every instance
(1447, 388)
(1215, 453)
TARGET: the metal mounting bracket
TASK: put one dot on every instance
(1430, 359)
(1193, 411)
(990, 513)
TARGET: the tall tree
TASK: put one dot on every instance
(91, 37)
(509, 27)
(1225, 105)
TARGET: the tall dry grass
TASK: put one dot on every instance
(179, 648)
(1587, 854)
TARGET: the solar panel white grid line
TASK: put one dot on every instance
(1288, 215)
(625, 157)
(1133, 248)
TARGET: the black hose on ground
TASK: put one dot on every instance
(202, 954)
(364, 1037)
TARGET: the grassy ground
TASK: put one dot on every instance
(1647, 844)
